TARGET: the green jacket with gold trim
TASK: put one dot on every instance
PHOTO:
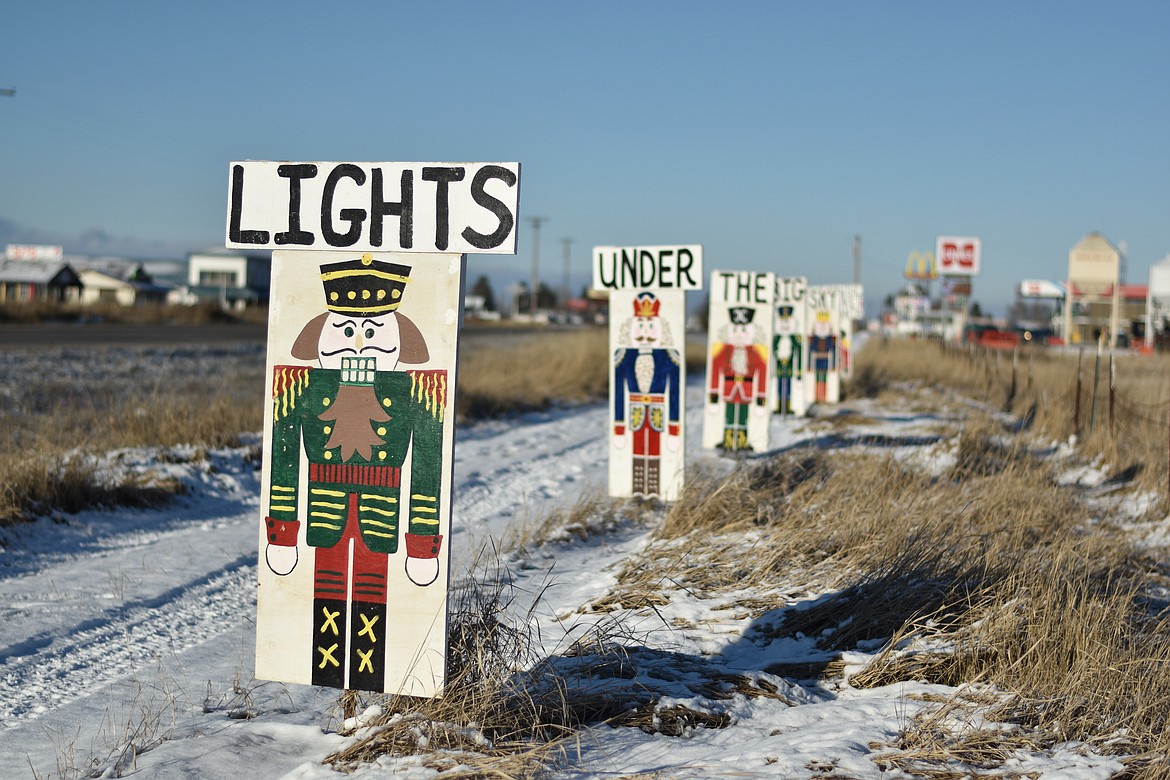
(404, 411)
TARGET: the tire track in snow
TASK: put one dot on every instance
(518, 473)
(114, 645)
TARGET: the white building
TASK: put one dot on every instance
(232, 280)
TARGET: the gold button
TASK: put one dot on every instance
(381, 431)
(365, 295)
(382, 455)
(328, 455)
(351, 295)
(328, 429)
(324, 401)
(333, 295)
(381, 294)
(385, 402)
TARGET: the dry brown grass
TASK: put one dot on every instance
(533, 373)
(55, 426)
(1039, 387)
(986, 573)
(160, 402)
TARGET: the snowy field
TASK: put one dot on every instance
(127, 647)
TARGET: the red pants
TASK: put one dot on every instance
(333, 567)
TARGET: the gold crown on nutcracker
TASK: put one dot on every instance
(824, 316)
(364, 286)
(646, 304)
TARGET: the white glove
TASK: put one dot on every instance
(281, 560)
(422, 571)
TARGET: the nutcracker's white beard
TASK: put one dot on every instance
(352, 413)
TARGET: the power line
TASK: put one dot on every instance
(7, 92)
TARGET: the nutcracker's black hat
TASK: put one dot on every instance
(785, 311)
(364, 287)
(741, 315)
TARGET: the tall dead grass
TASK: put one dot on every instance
(981, 570)
(1039, 387)
(56, 427)
(533, 373)
(51, 422)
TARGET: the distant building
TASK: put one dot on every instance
(235, 281)
(133, 289)
(34, 280)
(1091, 317)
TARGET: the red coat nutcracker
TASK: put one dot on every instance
(739, 376)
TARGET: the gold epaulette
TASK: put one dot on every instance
(288, 383)
(429, 388)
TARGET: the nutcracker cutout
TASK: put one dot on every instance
(646, 387)
(739, 378)
(788, 350)
(788, 345)
(822, 358)
(357, 508)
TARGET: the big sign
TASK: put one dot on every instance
(365, 207)
(648, 267)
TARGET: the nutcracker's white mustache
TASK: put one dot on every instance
(353, 351)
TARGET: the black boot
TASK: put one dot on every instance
(329, 619)
(367, 659)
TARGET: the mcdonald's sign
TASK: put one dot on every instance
(921, 265)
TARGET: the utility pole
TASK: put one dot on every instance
(536, 223)
(565, 243)
(857, 259)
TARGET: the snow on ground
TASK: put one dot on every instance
(128, 636)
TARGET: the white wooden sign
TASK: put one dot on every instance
(356, 491)
(823, 377)
(789, 345)
(647, 393)
(739, 335)
(648, 267)
(369, 207)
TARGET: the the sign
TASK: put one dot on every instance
(739, 334)
(645, 267)
(789, 344)
(33, 252)
(647, 393)
(364, 207)
(958, 255)
(356, 477)
(920, 266)
(1040, 288)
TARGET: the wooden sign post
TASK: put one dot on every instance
(789, 344)
(647, 331)
(359, 430)
(739, 335)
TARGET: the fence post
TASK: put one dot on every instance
(1015, 366)
(1096, 381)
(1077, 405)
(1112, 391)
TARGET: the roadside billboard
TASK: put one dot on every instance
(958, 255)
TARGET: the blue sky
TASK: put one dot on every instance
(770, 133)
